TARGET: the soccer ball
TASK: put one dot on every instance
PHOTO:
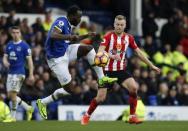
(101, 59)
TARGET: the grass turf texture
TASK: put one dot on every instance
(94, 126)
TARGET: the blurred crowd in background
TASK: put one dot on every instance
(169, 51)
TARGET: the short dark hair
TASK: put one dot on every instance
(72, 10)
(15, 27)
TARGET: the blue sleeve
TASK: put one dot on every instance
(27, 50)
(60, 25)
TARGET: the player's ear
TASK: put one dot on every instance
(114, 23)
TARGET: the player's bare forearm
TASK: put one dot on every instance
(56, 34)
(143, 58)
(147, 61)
(31, 68)
(30, 65)
(59, 36)
(90, 34)
(5, 61)
(4, 58)
(81, 37)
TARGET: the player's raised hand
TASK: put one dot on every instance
(156, 69)
(115, 57)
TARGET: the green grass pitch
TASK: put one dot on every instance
(94, 126)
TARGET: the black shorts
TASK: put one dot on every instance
(121, 75)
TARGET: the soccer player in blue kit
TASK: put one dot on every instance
(60, 50)
(16, 53)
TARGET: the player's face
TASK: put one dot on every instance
(75, 20)
(16, 34)
(119, 26)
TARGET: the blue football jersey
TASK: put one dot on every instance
(17, 53)
(57, 48)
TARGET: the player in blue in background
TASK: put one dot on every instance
(16, 53)
(61, 50)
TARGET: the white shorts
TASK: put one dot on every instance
(60, 65)
(14, 82)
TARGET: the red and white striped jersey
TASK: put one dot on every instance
(117, 45)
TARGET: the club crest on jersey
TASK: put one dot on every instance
(114, 52)
(18, 48)
(12, 53)
(118, 50)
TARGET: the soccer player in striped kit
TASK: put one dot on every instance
(116, 43)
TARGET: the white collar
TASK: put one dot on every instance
(17, 42)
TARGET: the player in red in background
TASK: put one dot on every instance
(116, 43)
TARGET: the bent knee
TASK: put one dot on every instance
(12, 96)
(100, 98)
(86, 48)
(83, 50)
(69, 88)
(134, 89)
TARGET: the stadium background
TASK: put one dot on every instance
(159, 26)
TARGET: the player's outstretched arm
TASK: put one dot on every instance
(146, 60)
(5, 61)
(115, 57)
(90, 34)
(31, 68)
(56, 34)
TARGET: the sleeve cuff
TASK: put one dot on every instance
(57, 28)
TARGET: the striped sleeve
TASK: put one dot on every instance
(132, 43)
(106, 40)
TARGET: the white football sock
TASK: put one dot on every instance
(14, 108)
(55, 96)
(23, 103)
(90, 57)
(47, 100)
